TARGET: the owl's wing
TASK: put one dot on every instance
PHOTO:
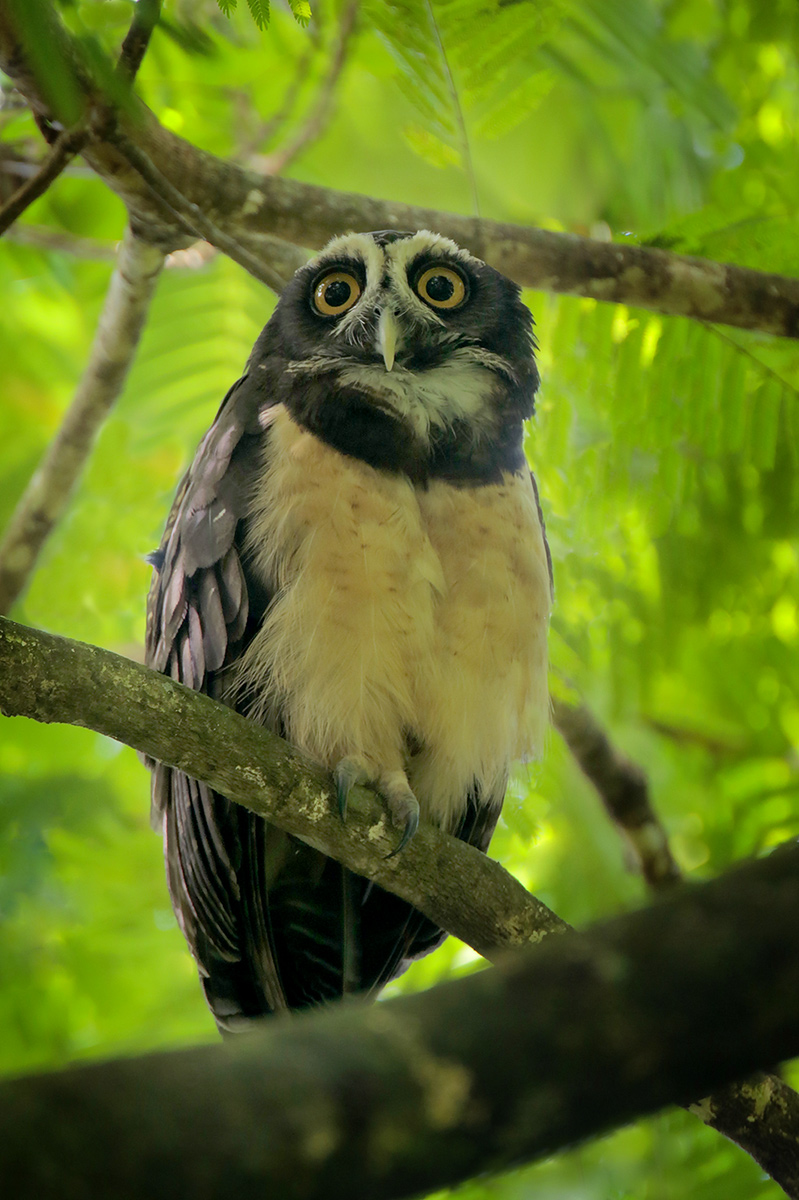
(202, 608)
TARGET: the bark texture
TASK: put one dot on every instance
(761, 1116)
(422, 1092)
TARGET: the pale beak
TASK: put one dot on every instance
(387, 337)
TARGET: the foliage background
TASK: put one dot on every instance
(666, 451)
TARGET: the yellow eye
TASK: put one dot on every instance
(335, 293)
(441, 287)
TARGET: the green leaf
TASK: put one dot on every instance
(302, 11)
(260, 12)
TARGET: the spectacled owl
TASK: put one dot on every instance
(356, 558)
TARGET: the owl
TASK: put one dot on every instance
(356, 559)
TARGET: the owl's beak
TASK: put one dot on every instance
(387, 337)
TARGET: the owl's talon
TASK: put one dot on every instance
(402, 806)
(411, 825)
(346, 774)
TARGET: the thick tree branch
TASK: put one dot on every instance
(422, 1092)
(246, 206)
(53, 679)
(761, 1116)
(118, 332)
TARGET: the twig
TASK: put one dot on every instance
(191, 217)
(42, 237)
(273, 124)
(322, 111)
(54, 679)
(623, 789)
(138, 37)
(46, 496)
(65, 147)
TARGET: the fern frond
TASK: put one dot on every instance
(466, 64)
(259, 10)
(301, 11)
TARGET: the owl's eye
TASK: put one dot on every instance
(441, 287)
(335, 293)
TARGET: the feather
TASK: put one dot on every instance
(212, 621)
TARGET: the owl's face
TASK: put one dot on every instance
(403, 348)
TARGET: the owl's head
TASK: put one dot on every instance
(426, 335)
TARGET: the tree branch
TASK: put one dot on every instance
(246, 206)
(42, 237)
(46, 496)
(623, 789)
(422, 1092)
(64, 149)
(194, 220)
(53, 679)
(760, 1114)
(50, 678)
(137, 39)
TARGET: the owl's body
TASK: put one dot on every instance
(357, 559)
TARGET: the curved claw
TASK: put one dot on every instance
(345, 775)
(343, 785)
(411, 825)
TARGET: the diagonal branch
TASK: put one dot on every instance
(761, 1114)
(137, 39)
(246, 207)
(71, 141)
(194, 220)
(421, 1092)
(52, 679)
(47, 495)
(64, 149)
(623, 789)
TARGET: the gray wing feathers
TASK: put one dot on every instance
(198, 609)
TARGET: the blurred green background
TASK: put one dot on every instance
(667, 454)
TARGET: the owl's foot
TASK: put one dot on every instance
(391, 786)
